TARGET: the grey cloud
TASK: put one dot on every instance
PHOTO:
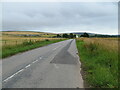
(56, 16)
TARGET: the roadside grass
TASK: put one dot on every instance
(25, 46)
(99, 64)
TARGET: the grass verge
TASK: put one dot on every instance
(25, 46)
(99, 65)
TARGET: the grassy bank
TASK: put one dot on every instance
(25, 46)
(99, 63)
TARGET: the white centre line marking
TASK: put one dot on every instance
(56, 66)
(12, 75)
(40, 57)
(19, 71)
(28, 66)
(35, 61)
(56, 48)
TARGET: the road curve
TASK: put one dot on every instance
(53, 66)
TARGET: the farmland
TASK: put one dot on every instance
(14, 38)
(99, 57)
(15, 42)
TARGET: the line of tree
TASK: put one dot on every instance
(98, 35)
(105, 36)
(85, 35)
(65, 35)
(71, 35)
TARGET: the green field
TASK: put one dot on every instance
(99, 64)
(13, 42)
(25, 46)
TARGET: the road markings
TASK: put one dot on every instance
(12, 75)
(56, 48)
(35, 61)
(56, 66)
(20, 71)
(28, 66)
(40, 57)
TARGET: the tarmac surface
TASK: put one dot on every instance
(53, 66)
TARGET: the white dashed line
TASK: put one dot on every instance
(56, 66)
(56, 48)
(40, 57)
(20, 71)
(28, 66)
(35, 61)
(13, 75)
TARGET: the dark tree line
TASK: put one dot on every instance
(71, 35)
(85, 35)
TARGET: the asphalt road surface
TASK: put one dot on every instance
(53, 66)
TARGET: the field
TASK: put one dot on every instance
(15, 42)
(17, 33)
(14, 38)
(99, 57)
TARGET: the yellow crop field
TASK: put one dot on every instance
(108, 43)
(11, 38)
(23, 32)
(99, 57)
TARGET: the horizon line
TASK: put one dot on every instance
(60, 32)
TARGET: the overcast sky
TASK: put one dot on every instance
(59, 17)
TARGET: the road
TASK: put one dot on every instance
(53, 66)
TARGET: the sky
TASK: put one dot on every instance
(61, 17)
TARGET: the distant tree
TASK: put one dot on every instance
(74, 36)
(95, 35)
(58, 35)
(71, 35)
(65, 35)
(85, 35)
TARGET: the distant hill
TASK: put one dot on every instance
(96, 35)
(27, 34)
(24, 32)
(80, 33)
(46, 34)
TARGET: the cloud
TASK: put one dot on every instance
(61, 16)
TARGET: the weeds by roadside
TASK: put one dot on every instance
(99, 64)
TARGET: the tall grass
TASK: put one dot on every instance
(15, 40)
(26, 45)
(99, 63)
